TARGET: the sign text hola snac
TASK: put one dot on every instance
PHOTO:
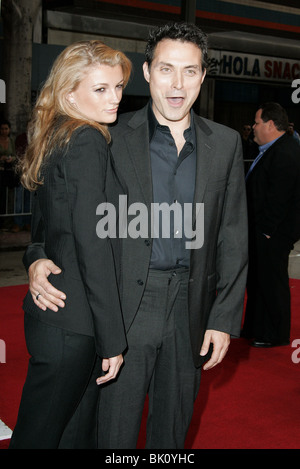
(247, 66)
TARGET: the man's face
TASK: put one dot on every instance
(246, 131)
(261, 129)
(175, 78)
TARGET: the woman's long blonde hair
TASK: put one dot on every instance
(54, 119)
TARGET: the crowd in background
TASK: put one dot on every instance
(14, 199)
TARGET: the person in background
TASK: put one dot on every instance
(22, 195)
(7, 175)
(291, 131)
(67, 165)
(249, 146)
(181, 304)
(273, 193)
(245, 134)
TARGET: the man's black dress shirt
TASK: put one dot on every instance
(173, 181)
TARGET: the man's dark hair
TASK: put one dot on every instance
(185, 32)
(276, 113)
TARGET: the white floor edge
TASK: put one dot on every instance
(5, 432)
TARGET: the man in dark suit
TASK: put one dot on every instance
(182, 298)
(273, 192)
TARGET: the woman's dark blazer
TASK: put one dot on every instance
(65, 219)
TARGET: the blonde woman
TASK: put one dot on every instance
(68, 166)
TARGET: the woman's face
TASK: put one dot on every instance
(99, 93)
(4, 130)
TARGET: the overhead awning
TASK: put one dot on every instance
(225, 40)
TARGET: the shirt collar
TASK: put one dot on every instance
(263, 148)
(154, 124)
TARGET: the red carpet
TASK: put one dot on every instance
(250, 401)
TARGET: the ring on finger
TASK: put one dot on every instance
(37, 296)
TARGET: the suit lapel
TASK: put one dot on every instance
(265, 156)
(205, 153)
(138, 151)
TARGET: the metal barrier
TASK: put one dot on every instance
(247, 164)
(16, 203)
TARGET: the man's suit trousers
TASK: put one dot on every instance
(158, 362)
(268, 311)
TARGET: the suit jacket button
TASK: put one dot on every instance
(140, 282)
(147, 242)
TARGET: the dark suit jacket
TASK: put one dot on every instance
(218, 269)
(64, 230)
(273, 192)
